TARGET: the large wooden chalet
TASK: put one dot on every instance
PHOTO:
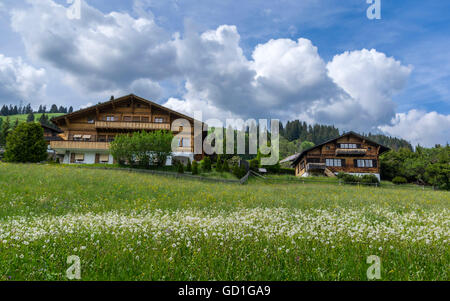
(87, 133)
(350, 153)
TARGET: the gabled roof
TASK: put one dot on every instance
(303, 153)
(290, 158)
(116, 100)
(52, 128)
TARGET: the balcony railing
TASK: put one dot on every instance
(352, 151)
(87, 145)
(315, 166)
(131, 125)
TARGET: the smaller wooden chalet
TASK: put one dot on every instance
(350, 153)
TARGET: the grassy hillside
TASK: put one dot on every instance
(127, 226)
(23, 117)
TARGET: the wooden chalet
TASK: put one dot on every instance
(350, 153)
(87, 133)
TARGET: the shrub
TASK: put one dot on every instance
(287, 171)
(195, 168)
(239, 172)
(254, 164)
(274, 169)
(351, 179)
(341, 175)
(219, 166)
(180, 167)
(206, 164)
(399, 180)
(225, 166)
(234, 161)
(189, 166)
(26, 144)
(369, 179)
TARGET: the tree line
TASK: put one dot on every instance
(19, 110)
(317, 134)
(424, 166)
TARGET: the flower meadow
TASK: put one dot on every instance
(129, 226)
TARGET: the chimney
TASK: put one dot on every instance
(112, 97)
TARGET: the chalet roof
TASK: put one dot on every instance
(116, 100)
(303, 153)
(52, 128)
(290, 158)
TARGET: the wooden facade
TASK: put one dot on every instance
(51, 133)
(349, 153)
(89, 131)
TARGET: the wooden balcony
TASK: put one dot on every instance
(351, 152)
(316, 167)
(82, 145)
(130, 125)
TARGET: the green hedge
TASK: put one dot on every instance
(399, 180)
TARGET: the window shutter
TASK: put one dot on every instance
(343, 162)
(375, 162)
(355, 163)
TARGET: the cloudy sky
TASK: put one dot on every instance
(320, 61)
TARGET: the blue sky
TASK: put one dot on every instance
(413, 90)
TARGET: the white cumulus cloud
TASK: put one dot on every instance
(371, 79)
(99, 52)
(20, 81)
(419, 127)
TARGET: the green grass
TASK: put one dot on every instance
(132, 226)
(23, 117)
(168, 169)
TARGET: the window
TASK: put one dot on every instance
(327, 147)
(87, 137)
(102, 138)
(145, 119)
(110, 118)
(91, 120)
(77, 137)
(79, 157)
(104, 158)
(333, 162)
(127, 118)
(350, 146)
(365, 163)
(159, 120)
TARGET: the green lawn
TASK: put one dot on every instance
(131, 226)
(23, 117)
